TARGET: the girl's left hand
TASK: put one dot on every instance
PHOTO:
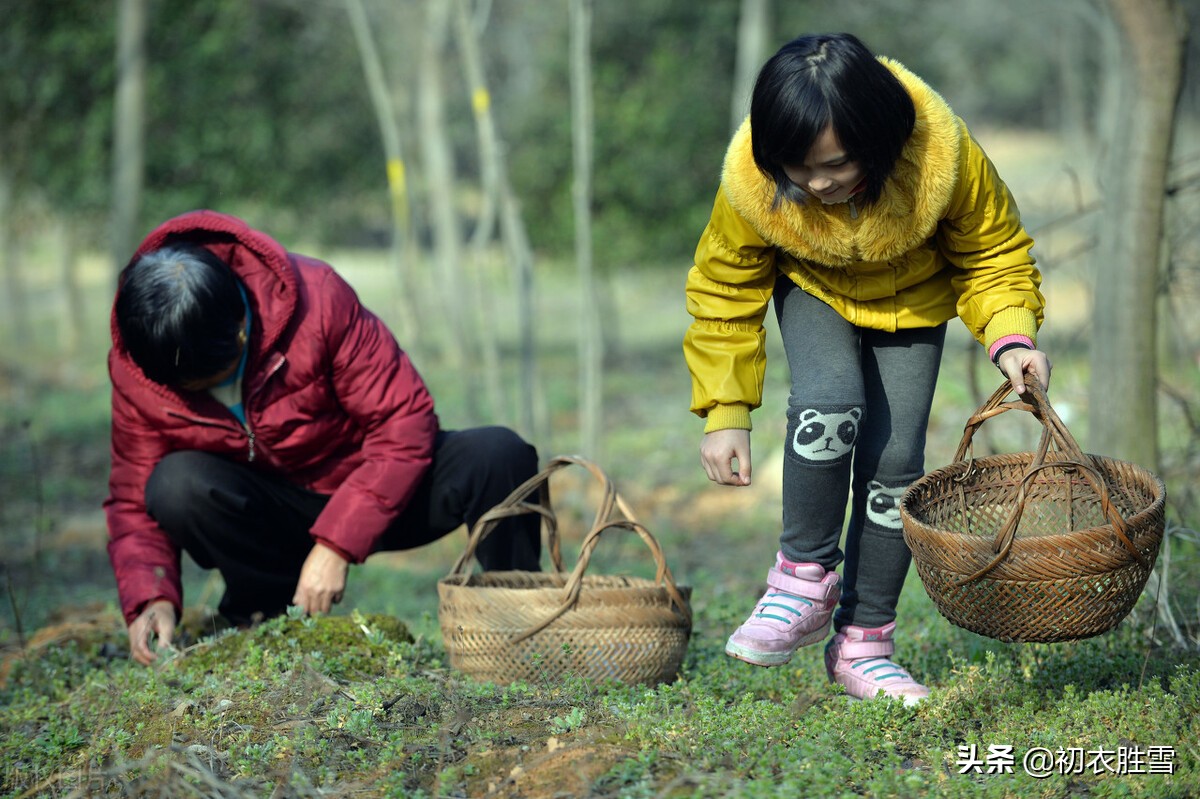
(1015, 363)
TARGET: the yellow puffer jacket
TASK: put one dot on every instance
(944, 239)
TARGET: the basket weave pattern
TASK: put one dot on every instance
(1044, 546)
(516, 625)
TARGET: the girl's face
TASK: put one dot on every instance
(827, 173)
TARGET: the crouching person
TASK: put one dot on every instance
(269, 425)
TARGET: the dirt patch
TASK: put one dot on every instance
(92, 625)
(568, 771)
(558, 766)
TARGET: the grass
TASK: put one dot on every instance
(354, 704)
(364, 703)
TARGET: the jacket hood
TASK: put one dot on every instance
(262, 265)
(914, 197)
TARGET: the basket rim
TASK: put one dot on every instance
(1142, 534)
(951, 471)
(1065, 540)
(556, 581)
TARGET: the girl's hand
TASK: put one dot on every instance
(719, 450)
(1016, 362)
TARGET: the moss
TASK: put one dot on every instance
(353, 703)
(345, 645)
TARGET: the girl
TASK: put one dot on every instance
(857, 200)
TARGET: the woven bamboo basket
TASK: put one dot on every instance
(504, 626)
(1044, 546)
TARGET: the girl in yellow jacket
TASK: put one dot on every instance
(857, 200)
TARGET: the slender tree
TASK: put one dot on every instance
(534, 414)
(753, 29)
(591, 342)
(403, 249)
(75, 320)
(482, 307)
(438, 163)
(500, 200)
(15, 295)
(57, 76)
(1123, 416)
(1073, 90)
(467, 29)
(128, 129)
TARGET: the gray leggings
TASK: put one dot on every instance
(861, 397)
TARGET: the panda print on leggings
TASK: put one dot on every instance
(883, 505)
(823, 436)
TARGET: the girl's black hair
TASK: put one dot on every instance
(179, 310)
(828, 79)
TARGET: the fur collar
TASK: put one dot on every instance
(913, 201)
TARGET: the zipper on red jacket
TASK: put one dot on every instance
(279, 361)
(213, 423)
(244, 426)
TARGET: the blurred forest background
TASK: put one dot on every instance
(517, 186)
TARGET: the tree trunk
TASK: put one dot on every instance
(534, 414)
(439, 175)
(485, 227)
(753, 30)
(402, 251)
(17, 318)
(129, 121)
(1109, 101)
(75, 325)
(591, 349)
(1123, 417)
(485, 126)
(499, 199)
(1074, 75)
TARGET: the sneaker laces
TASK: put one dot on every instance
(762, 611)
(868, 665)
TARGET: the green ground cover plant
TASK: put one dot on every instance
(355, 705)
(363, 703)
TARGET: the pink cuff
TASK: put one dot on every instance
(852, 650)
(1015, 339)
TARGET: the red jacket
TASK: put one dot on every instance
(332, 403)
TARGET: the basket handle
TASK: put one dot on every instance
(574, 584)
(1053, 430)
(517, 503)
(1052, 426)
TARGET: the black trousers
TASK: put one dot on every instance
(254, 527)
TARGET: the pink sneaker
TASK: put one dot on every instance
(860, 659)
(795, 611)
